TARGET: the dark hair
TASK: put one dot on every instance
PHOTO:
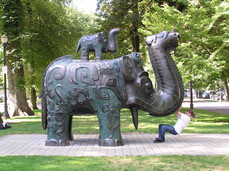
(192, 113)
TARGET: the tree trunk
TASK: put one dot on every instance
(13, 26)
(33, 98)
(135, 25)
(227, 89)
(18, 105)
(32, 83)
(135, 40)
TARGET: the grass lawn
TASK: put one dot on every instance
(206, 122)
(149, 163)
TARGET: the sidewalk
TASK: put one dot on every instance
(136, 144)
(218, 107)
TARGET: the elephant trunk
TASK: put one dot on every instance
(169, 95)
(112, 44)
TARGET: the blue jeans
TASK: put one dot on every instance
(165, 128)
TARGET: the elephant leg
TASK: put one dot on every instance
(85, 54)
(109, 122)
(98, 54)
(58, 133)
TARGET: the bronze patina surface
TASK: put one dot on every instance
(103, 87)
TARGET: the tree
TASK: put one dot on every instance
(13, 27)
(203, 48)
(126, 16)
(39, 31)
(52, 30)
(45, 24)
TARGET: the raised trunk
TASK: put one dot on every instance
(112, 45)
(169, 94)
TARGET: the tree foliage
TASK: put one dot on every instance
(127, 16)
(202, 55)
(39, 31)
(203, 29)
(13, 26)
(51, 30)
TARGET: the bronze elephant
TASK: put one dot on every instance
(104, 87)
(98, 43)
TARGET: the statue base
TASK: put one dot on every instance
(54, 142)
(110, 142)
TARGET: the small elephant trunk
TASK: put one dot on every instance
(112, 45)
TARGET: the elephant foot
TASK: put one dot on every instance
(54, 142)
(99, 58)
(84, 58)
(110, 142)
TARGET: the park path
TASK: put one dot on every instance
(136, 144)
(218, 107)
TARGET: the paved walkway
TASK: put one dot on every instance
(218, 107)
(135, 145)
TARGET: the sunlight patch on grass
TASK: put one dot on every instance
(22, 120)
(124, 161)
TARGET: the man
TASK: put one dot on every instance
(3, 125)
(182, 121)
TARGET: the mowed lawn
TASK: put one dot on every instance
(140, 163)
(205, 122)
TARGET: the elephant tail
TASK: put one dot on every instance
(44, 106)
(44, 87)
(78, 46)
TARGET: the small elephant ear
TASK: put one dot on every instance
(100, 36)
(127, 67)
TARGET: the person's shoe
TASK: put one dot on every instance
(5, 125)
(158, 141)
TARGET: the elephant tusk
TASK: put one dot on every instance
(134, 112)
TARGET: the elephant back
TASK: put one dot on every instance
(75, 84)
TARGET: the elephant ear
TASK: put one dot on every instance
(127, 67)
(101, 36)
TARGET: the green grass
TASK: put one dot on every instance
(205, 122)
(58, 163)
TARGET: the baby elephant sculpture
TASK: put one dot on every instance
(76, 87)
(98, 43)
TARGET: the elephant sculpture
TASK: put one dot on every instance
(98, 43)
(76, 87)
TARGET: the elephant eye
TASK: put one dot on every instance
(147, 85)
